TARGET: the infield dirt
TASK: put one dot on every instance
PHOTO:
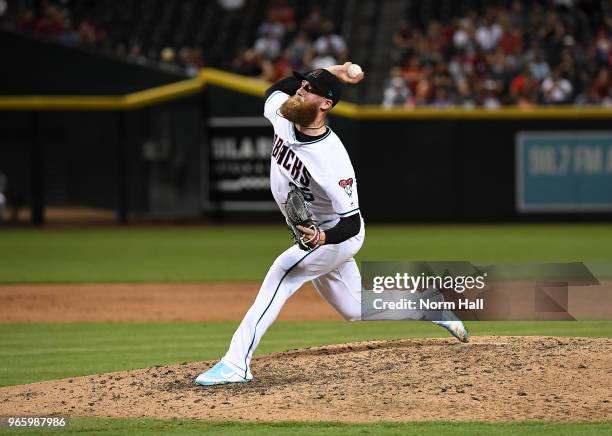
(489, 379)
(148, 302)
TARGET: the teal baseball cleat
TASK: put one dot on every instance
(221, 374)
(454, 325)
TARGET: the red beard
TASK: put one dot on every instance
(298, 111)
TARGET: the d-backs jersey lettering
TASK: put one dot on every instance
(321, 168)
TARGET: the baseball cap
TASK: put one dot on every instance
(325, 82)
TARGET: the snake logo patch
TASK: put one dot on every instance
(347, 185)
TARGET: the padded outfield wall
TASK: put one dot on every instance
(429, 165)
(81, 128)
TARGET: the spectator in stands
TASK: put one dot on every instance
(401, 43)
(135, 52)
(197, 58)
(465, 98)
(500, 66)
(538, 67)
(524, 89)
(569, 70)
(167, 55)
(298, 51)
(70, 36)
(603, 45)
(423, 90)
(271, 28)
(553, 35)
(88, 31)
(52, 22)
(556, 89)
(250, 63)
(442, 98)
(437, 38)
(331, 44)
(602, 85)
(464, 37)
(525, 101)
(489, 91)
(517, 17)
(281, 12)
(511, 41)
(489, 32)
(268, 45)
(413, 72)
(396, 91)
(312, 24)
(283, 66)
(188, 61)
(322, 59)
(440, 76)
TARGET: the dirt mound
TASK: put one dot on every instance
(491, 378)
(148, 302)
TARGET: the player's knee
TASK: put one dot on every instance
(280, 266)
(290, 259)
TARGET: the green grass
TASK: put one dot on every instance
(188, 427)
(240, 253)
(35, 352)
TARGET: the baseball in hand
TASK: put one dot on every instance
(354, 70)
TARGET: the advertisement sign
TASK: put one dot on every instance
(237, 165)
(564, 171)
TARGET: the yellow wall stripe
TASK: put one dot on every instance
(257, 87)
(162, 93)
(60, 102)
(246, 85)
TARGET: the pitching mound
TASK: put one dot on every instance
(491, 378)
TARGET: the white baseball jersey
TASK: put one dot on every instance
(321, 168)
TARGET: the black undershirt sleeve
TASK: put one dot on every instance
(288, 85)
(345, 229)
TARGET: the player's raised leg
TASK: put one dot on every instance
(341, 288)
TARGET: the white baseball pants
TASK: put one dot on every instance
(334, 274)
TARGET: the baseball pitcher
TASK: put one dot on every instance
(314, 184)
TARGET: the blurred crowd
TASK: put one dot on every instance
(280, 44)
(283, 45)
(525, 54)
(56, 19)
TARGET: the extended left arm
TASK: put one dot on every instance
(345, 229)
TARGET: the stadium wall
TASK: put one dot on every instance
(40, 67)
(425, 166)
(193, 148)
